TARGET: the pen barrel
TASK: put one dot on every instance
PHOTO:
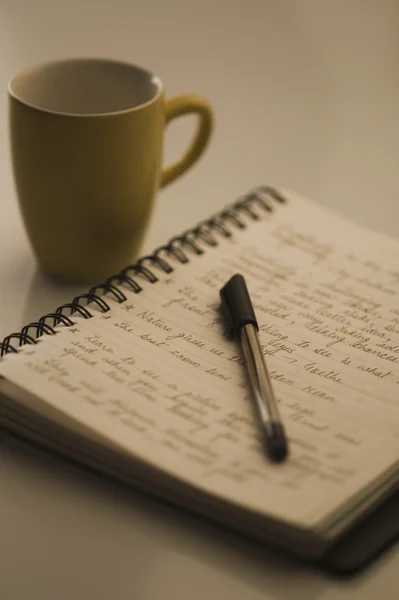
(258, 376)
(272, 428)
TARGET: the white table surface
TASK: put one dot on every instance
(306, 94)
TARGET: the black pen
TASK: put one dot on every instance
(240, 317)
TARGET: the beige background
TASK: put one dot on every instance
(305, 94)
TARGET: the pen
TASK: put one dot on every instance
(240, 318)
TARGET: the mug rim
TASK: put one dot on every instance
(154, 78)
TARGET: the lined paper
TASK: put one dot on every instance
(159, 376)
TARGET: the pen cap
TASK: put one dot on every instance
(236, 305)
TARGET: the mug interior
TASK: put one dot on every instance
(85, 86)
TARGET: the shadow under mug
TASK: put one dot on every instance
(86, 142)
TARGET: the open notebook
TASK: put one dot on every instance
(143, 383)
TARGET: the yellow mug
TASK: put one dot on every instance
(86, 142)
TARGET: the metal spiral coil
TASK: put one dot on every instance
(206, 232)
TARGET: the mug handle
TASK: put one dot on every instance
(183, 105)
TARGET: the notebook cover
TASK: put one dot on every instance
(367, 540)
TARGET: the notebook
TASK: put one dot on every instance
(139, 378)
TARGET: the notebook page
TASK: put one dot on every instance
(157, 375)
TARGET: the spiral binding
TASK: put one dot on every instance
(205, 232)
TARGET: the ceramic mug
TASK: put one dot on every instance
(86, 142)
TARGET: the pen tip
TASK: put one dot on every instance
(276, 442)
(278, 450)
